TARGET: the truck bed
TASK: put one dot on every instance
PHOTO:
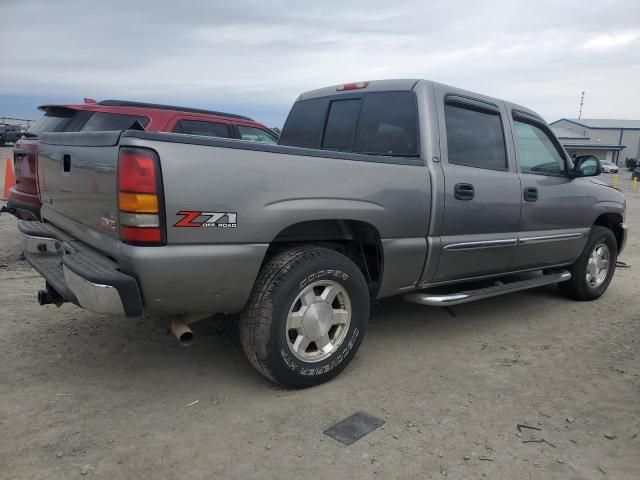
(267, 188)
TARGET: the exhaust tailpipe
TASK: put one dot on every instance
(182, 332)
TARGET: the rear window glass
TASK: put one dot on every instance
(388, 125)
(341, 125)
(384, 123)
(206, 129)
(52, 121)
(303, 127)
(109, 122)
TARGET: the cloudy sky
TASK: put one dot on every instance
(255, 57)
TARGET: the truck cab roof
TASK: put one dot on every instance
(406, 84)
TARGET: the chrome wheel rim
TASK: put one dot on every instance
(318, 321)
(598, 265)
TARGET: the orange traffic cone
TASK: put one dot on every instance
(9, 179)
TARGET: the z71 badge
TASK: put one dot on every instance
(199, 219)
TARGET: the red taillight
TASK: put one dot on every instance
(25, 168)
(136, 172)
(141, 234)
(89, 101)
(139, 197)
(352, 86)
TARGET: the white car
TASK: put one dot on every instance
(608, 167)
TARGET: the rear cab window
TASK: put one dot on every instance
(341, 125)
(375, 123)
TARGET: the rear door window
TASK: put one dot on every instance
(109, 122)
(475, 137)
(256, 135)
(341, 125)
(206, 129)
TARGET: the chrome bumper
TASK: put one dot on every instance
(78, 273)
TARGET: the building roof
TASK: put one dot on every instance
(608, 123)
(566, 134)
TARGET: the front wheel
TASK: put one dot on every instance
(594, 269)
(306, 316)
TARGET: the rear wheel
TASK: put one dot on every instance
(594, 269)
(306, 316)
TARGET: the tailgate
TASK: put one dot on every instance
(77, 179)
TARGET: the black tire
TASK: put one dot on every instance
(578, 288)
(263, 322)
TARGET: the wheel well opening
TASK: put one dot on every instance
(360, 241)
(612, 221)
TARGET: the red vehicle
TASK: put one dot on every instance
(110, 115)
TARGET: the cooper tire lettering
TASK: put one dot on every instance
(293, 365)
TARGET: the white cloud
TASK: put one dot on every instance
(603, 42)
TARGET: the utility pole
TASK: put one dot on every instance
(581, 104)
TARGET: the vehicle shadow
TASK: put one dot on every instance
(121, 351)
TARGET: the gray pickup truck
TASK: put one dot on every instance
(397, 187)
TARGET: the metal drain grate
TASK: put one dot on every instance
(353, 428)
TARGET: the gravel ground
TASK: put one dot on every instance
(83, 395)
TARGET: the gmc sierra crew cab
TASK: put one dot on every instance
(382, 188)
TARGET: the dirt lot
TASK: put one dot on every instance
(82, 395)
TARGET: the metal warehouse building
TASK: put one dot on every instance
(607, 139)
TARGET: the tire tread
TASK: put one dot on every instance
(255, 320)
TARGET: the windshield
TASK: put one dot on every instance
(54, 120)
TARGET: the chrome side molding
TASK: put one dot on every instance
(512, 242)
(551, 238)
(482, 244)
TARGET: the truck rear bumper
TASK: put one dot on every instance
(78, 273)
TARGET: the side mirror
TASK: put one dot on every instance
(586, 166)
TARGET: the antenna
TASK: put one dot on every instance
(581, 104)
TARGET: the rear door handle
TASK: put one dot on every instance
(463, 191)
(531, 194)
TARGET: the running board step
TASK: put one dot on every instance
(455, 298)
